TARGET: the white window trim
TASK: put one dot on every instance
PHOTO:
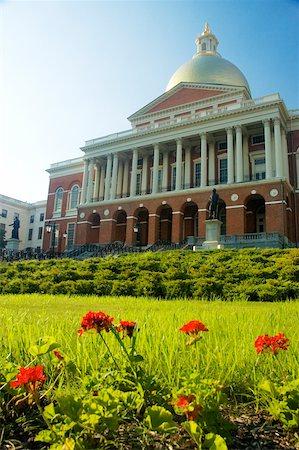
(253, 156)
(220, 157)
(69, 198)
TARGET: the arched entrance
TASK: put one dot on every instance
(141, 227)
(93, 233)
(255, 214)
(165, 223)
(120, 226)
(190, 219)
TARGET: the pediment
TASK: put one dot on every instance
(181, 94)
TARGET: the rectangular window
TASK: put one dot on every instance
(4, 213)
(70, 234)
(160, 180)
(258, 139)
(30, 233)
(197, 174)
(173, 178)
(41, 217)
(138, 183)
(222, 145)
(31, 219)
(2, 226)
(260, 168)
(40, 232)
(222, 171)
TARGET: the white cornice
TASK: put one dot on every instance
(160, 134)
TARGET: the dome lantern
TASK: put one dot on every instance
(206, 42)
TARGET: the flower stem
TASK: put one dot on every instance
(109, 351)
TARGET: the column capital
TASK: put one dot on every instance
(229, 129)
(238, 127)
(276, 120)
(203, 135)
(179, 140)
(266, 122)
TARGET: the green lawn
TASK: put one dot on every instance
(225, 353)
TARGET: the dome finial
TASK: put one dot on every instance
(207, 29)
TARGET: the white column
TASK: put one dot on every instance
(245, 157)
(239, 155)
(211, 161)
(85, 180)
(134, 173)
(126, 178)
(230, 156)
(165, 172)
(119, 179)
(188, 167)
(114, 176)
(90, 181)
(155, 169)
(144, 175)
(108, 177)
(278, 152)
(97, 181)
(268, 152)
(178, 179)
(203, 160)
(284, 146)
(102, 182)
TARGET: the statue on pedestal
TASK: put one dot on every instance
(15, 228)
(214, 204)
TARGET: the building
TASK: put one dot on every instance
(152, 182)
(32, 221)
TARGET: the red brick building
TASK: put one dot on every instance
(153, 182)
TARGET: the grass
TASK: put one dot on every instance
(225, 353)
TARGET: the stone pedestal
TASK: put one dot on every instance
(13, 245)
(212, 234)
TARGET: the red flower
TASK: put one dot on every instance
(31, 378)
(191, 409)
(127, 328)
(271, 344)
(194, 328)
(95, 320)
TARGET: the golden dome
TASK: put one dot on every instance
(208, 67)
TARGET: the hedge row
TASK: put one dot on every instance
(252, 274)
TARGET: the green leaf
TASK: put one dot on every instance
(268, 386)
(195, 431)
(160, 419)
(69, 444)
(44, 345)
(214, 442)
(45, 436)
(70, 406)
(49, 412)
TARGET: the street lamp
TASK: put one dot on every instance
(51, 228)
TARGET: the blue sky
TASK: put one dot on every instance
(72, 71)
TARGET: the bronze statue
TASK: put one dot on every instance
(213, 206)
(15, 228)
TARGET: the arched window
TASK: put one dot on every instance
(74, 197)
(203, 46)
(58, 200)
